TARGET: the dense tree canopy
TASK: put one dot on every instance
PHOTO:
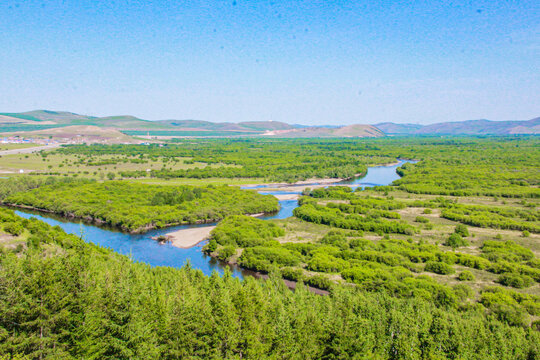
(137, 207)
(63, 298)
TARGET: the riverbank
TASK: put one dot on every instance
(144, 247)
(313, 183)
(189, 237)
(100, 222)
(302, 183)
(281, 197)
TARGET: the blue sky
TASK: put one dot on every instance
(309, 62)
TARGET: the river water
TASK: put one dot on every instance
(141, 247)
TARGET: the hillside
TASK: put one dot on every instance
(28, 123)
(266, 125)
(80, 134)
(483, 127)
(468, 127)
(131, 125)
(393, 128)
(45, 119)
(356, 130)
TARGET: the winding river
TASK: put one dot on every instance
(141, 247)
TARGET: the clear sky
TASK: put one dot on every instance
(309, 62)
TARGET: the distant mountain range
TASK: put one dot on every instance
(468, 127)
(45, 119)
(40, 120)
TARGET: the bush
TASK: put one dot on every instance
(226, 252)
(525, 233)
(319, 281)
(439, 268)
(461, 230)
(326, 263)
(472, 261)
(515, 280)
(466, 276)
(372, 279)
(455, 240)
(427, 211)
(246, 231)
(335, 238)
(293, 274)
(501, 267)
(510, 314)
(421, 219)
(462, 291)
(210, 247)
(507, 250)
(261, 258)
(13, 228)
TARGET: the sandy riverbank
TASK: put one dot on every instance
(187, 238)
(287, 196)
(298, 184)
(311, 183)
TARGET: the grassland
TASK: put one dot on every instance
(187, 133)
(435, 232)
(72, 165)
(17, 146)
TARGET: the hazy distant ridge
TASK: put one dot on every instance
(468, 127)
(42, 119)
(39, 120)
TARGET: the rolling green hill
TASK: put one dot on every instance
(45, 119)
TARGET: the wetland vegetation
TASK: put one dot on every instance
(443, 263)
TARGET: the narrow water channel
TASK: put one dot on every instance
(141, 247)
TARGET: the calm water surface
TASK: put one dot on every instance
(142, 248)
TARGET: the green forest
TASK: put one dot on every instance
(441, 264)
(136, 207)
(62, 298)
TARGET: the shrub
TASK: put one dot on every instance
(515, 280)
(461, 230)
(421, 219)
(372, 279)
(502, 267)
(438, 268)
(326, 263)
(463, 291)
(455, 240)
(293, 274)
(210, 247)
(466, 276)
(335, 238)
(359, 243)
(507, 250)
(525, 233)
(246, 231)
(13, 228)
(263, 256)
(319, 281)
(427, 211)
(510, 314)
(472, 261)
(226, 252)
